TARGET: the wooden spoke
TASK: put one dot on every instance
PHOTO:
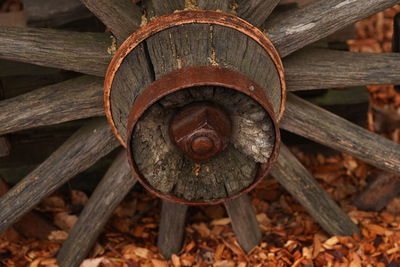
(223, 5)
(80, 52)
(70, 100)
(122, 16)
(79, 152)
(322, 68)
(256, 11)
(115, 185)
(163, 7)
(295, 29)
(172, 228)
(319, 125)
(244, 222)
(55, 13)
(303, 187)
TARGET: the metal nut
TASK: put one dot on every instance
(200, 130)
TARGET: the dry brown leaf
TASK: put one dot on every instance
(94, 262)
(224, 263)
(58, 235)
(43, 262)
(218, 252)
(202, 229)
(78, 198)
(54, 203)
(175, 260)
(223, 221)
(65, 221)
(328, 244)
(159, 263)
(142, 252)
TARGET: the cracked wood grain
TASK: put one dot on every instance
(256, 11)
(313, 68)
(123, 17)
(295, 29)
(73, 99)
(81, 52)
(324, 127)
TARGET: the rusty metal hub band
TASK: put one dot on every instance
(192, 77)
(181, 18)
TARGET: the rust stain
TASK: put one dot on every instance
(192, 77)
(181, 18)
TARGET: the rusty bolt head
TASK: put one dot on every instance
(200, 130)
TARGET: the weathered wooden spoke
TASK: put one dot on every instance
(313, 68)
(244, 222)
(293, 30)
(292, 175)
(319, 125)
(70, 100)
(80, 52)
(172, 228)
(256, 11)
(163, 7)
(114, 186)
(122, 16)
(223, 5)
(79, 152)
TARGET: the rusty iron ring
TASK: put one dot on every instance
(181, 18)
(200, 76)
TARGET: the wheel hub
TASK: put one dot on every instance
(221, 125)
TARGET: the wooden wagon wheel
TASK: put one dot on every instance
(179, 115)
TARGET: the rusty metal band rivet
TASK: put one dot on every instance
(193, 77)
(181, 18)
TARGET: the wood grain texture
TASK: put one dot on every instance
(296, 179)
(221, 5)
(172, 228)
(80, 52)
(252, 129)
(313, 68)
(256, 11)
(133, 76)
(295, 29)
(244, 222)
(122, 16)
(156, 8)
(321, 126)
(79, 152)
(54, 13)
(5, 145)
(74, 99)
(170, 172)
(193, 45)
(379, 193)
(112, 189)
(203, 44)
